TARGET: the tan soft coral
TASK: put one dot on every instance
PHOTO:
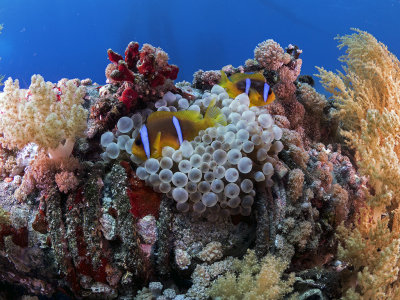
(46, 114)
(254, 279)
(368, 101)
(373, 248)
(367, 96)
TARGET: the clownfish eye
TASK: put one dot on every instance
(138, 142)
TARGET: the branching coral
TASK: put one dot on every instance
(367, 96)
(373, 248)
(251, 279)
(46, 115)
(368, 100)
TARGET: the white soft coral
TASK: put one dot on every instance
(48, 115)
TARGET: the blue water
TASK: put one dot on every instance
(69, 38)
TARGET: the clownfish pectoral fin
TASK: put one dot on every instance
(271, 97)
(157, 145)
(214, 115)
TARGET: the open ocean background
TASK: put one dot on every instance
(61, 38)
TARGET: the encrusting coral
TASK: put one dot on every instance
(367, 97)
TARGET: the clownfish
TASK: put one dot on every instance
(254, 85)
(165, 128)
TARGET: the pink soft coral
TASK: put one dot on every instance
(66, 181)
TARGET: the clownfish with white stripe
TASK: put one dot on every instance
(254, 85)
(164, 128)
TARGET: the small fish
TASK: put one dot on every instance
(254, 85)
(164, 128)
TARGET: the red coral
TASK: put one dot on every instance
(122, 73)
(131, 54)
(114, 57)
(144, 201)
(5, 230)
(84, 266)
(18, 236)
(40, 223)
(144, 75)
(158, 80)
(146, 64)
(171, 72)
(129, 98)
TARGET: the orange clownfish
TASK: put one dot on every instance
(164, 128)
(254, 85)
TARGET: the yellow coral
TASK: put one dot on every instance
(254, 280)
(40, 116)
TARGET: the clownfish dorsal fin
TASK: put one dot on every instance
(243, 76)
(158, 115)
(224, 79)
(157, 145)
(188, 115)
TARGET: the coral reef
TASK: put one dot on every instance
(276, 182)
